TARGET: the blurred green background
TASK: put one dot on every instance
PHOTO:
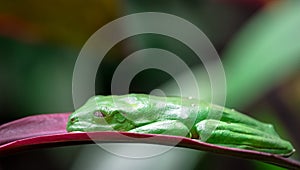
(258, 42)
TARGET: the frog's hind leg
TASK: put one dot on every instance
(237, 135)
(233, 116)
(166, 127)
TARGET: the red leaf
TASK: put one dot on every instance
(49, 130)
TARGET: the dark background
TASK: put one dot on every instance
(258, 43)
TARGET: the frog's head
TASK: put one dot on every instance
(98, 114)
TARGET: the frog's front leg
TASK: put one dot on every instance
(237, 135)
(166, 127)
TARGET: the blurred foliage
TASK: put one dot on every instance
(264, 53)
(64, 22)
(32, 74)
(40, 41)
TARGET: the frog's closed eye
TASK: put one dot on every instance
(98, 114)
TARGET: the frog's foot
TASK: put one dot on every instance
(167, 127)
(241, 136)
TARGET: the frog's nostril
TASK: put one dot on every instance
(74, 119)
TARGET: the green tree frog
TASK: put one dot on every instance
(142, 113)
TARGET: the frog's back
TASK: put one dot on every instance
(157, 108)
(144, 109)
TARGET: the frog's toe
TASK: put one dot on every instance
(240, 136)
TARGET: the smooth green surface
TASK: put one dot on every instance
(188, 117)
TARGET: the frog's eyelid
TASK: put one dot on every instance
(98, 114)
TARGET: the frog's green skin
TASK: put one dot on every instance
(177, 116)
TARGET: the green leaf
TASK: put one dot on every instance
(264, 53)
